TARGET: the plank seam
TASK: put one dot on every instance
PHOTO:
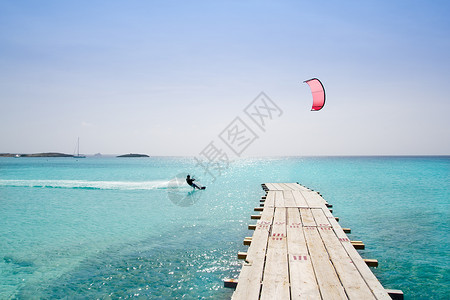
(329, 258)
(287, 253)
(363, 277)
(269, 232)
(309, 254)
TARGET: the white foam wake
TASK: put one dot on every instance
(85, 184)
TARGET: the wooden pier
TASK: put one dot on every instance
(299, 251)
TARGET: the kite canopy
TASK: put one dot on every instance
(318, 93)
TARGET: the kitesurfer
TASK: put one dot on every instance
(190, 181)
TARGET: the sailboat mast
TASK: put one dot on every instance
(77, 149)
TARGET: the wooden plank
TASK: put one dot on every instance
(328, 282)
(299, 199)
(270, 199)
(302, 188)
(249, 285)
(275, 283)
(395, 294)
(289, 200)
(279, 199)
(270, 186)
(313, 199)
(263, 227)
(320, 218)
(302, 277)
(354, 285)
(327, 279)
(281, 186)
(285, 187)
(230, 283)
(371, 262)
(277, 187)
(294, 186)
(307, 217)
(364, 270)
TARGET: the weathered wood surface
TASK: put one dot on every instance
(299, 251)
(275, 283)
(249, 286)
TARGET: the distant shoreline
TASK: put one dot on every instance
(57, 154)
(46, 154)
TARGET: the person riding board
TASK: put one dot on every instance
(190, 181)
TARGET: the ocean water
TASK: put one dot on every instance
(124, 228)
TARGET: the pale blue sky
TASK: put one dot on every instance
(166, 77)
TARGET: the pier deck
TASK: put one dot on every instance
(299, 251)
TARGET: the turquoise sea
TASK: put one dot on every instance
(111, 228)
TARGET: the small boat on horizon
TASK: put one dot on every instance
(78, 150)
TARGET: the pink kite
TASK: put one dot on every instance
(318, 93)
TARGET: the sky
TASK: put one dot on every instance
(168, 77)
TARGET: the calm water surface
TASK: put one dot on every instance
(120, 228)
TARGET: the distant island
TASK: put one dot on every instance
(46, 154)
(9, 155)
(133, 155)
